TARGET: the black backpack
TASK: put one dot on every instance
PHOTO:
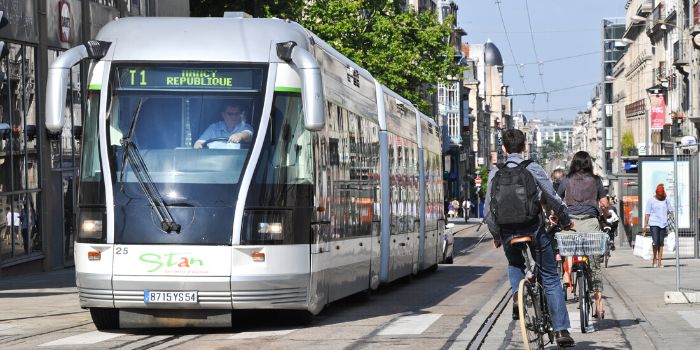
(514, 195)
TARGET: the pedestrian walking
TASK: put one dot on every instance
(13, 224)
(656, 220)
(466, 209)
(24, 223)
(556, 176)
(584, 194)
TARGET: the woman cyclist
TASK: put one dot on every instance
(585, 196)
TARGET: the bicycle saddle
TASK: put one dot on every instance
(521, 239)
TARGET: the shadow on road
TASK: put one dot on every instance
(63, 278)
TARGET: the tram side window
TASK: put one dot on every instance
(91, 189)
(284, 173)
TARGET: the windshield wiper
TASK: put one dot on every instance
(132, 154)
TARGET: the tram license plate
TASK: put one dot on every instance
(152, 296)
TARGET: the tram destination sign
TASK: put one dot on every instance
(190, 78)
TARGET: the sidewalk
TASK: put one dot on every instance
(39, 280)
(641, 288)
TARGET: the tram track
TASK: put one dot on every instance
(492, 315)
(488, 323)
(27, 336)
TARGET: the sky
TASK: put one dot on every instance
(560, 29)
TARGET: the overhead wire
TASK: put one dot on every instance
(555, 59)
(510, 46)
(534, 49)
(555, 109)
(549, 91)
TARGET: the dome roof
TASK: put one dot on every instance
(492, 54)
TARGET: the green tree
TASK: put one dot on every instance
(405, 50)
(551, 150)
(484, 175)
(627, 143)
(291, 9)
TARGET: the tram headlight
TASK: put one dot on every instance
(270, 228)
(90, 227)
(266, 227)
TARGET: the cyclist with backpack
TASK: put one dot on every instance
(512, 208)
(584, 194)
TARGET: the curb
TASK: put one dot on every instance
(681, 298)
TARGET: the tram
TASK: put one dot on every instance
(331, 186)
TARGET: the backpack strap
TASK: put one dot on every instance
(525, 163)
(506, 163)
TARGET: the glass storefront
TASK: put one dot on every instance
(19, 150)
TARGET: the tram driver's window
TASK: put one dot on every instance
(223, 123)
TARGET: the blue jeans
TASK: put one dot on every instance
(543, 254)
(658, 234)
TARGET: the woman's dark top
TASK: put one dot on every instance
(581, 193)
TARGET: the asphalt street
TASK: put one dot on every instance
(442, 310)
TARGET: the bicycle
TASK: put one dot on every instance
(582, 247)
(535, 320)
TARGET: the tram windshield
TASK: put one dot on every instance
(190, 127)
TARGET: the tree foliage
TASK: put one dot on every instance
(405, 50)
(484, 175)
(551, 150)
(627, 143)
(263, 8)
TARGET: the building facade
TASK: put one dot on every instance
(450, 113)
(37, 174)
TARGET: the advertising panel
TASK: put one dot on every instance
(660, 171)
(658, 111)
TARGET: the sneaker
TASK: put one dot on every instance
(516, 312)
(564, 339)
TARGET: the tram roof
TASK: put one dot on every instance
(199, 39)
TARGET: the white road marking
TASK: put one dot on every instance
(692, 317)
(261, 334)
(84, 339)
(143, 342)
(414, 324)
(4, 326)
(174, 342)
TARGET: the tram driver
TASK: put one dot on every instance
(233, 127)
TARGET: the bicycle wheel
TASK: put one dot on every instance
(584, 304)
(528, 308)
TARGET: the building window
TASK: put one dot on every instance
(608, 138)
(19, 155)
(453, 127)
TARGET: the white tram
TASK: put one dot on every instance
(312, 205)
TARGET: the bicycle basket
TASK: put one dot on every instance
(582, 243)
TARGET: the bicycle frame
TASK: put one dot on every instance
(532, 274)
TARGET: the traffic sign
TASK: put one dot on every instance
(477, 181)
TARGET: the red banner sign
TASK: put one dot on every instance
(658, 112)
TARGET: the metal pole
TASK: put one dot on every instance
(675, 216)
